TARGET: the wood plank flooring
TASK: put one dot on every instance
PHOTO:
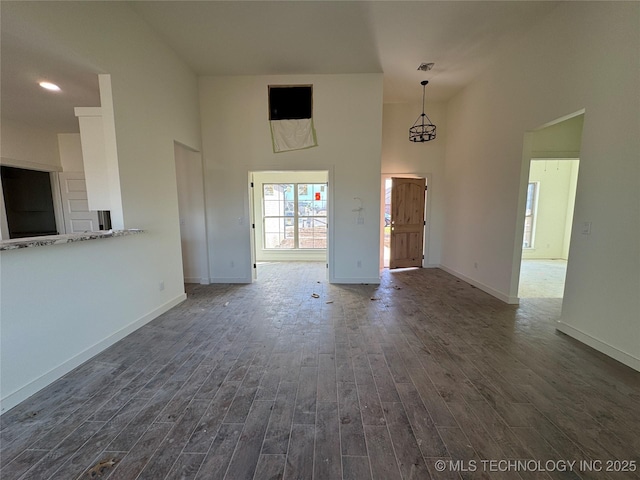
(264, 381)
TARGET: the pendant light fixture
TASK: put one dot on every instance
(422, 130)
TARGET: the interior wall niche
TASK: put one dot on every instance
(28, 200)
(291, 117)
(290, 102)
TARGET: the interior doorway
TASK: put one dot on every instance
(191, 211)
(404, 226)
(550, 194)
(290, 214)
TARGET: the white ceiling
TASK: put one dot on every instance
(290, 37)
(27, 58)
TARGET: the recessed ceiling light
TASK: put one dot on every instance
(425, 67)
(50, 86)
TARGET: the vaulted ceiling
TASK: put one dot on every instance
(289, 37)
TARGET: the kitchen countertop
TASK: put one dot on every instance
(31, 242)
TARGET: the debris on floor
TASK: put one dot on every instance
(226, 304)
(99, 469)
(330, 301)
(315, 295)
(374, 298)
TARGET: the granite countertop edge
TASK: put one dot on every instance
(43, 241)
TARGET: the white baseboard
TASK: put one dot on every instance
(485, 288)
(599, 345)
(54, 374)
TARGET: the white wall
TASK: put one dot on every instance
(264, 255)
(571, 205)
(556, 181)
(28, 147)
(189, 176)
(236, 140)
(156, 102)
(400, 156)
(560, 140)
(582, 56)
(70, 150)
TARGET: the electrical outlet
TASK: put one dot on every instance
(161, 286)
(475, 265)
(360, 221)
(359, 263)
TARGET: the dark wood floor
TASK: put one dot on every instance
(265, 381)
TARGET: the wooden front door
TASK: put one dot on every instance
(407, 222)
